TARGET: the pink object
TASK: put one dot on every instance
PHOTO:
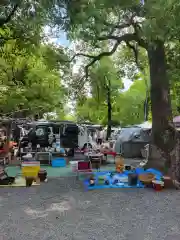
(176, 119)
(84, 167)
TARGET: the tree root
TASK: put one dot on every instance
(176, 184)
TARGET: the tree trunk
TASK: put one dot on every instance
(164, 136)
(146, 107)
(109, 105)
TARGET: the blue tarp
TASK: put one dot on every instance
(158, 176)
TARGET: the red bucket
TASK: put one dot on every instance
(158, 185)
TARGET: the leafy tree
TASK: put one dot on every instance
(105, 85)
(30, 71)
(138, 25)
(130, 104)
(91, 111)
(29, 81)
(127, 107)
(24, 20)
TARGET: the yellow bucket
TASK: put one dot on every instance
(30, 170)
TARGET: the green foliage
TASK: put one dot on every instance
(29, 70)
(130, 104)
(127, 107)
(103, 78)
(29, 81)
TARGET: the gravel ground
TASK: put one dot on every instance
(60, 209)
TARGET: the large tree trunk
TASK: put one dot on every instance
(164, 136)
(109, 105)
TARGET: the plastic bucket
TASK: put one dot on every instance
(158, 185)
(74, 166)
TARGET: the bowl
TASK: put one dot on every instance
(146, 177)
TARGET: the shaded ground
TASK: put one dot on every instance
(67, 171)
(60, 209)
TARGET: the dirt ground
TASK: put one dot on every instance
(61, 209)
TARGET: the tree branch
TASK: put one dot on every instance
(135, 51)
(9, 17)
(140, 41)
(101, 55)
(80, 55)
(119, 25)
(119, 39)
(125, 38)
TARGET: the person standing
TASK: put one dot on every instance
(100, 136)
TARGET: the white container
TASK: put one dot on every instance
(74, 166)
(123, 179)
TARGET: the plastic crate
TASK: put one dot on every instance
(58, 162)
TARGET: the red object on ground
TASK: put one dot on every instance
(84, 167)
(157, 185)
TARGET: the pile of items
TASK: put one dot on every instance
(128, 177)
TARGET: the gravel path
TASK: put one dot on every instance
(60, 209)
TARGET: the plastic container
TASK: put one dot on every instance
(158, 185)
(123, 179)
(58, 162)
(120, 178)
(132, 179)
(42, 174)
(30, 169)
(74, 166)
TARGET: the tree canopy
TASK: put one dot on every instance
(30, 68)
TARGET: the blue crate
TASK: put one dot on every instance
(58, 162)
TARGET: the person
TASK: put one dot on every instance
(100, 136)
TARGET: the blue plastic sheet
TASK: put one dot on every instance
(107, 176)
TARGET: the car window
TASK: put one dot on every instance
(40, 132)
